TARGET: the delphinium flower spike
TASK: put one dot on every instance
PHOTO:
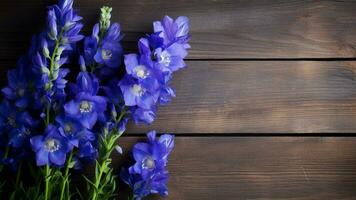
(56, 45)
(101, 58)
(148, 174)
(148, 74)
(102, 50)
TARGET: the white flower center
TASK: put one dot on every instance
(11, 121)
(52, 145)
(165, 58)
(148, 163)
(141, 71)
(137, 90)
(106, 54)
(68, 128)
(85, 106)
(27, 132)
(20, 92)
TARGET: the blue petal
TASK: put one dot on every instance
(21, 103)
(151, 136)
(57, 157)
(89, 120)
(36, 143)
(72, 108)
(42, 157)
(8, 93)
(140, 151)
(183, 26)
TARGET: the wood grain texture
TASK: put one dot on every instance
(219, 28)
(260, 168)
(260, 97)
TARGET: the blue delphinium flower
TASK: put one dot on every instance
(149, 174)
(51, 148)
(173, 30)
(91, 45)
(55, 46)
(73, 130)
(88, 152)
(17, 89)
(110, 51)
(102, 50)
(141, 93)
(87, 106)
(140, 115)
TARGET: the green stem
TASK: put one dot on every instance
(122, 114)
(16, 188)
(18, 175)
(55, 51)
(53, 57)
(65, 182)
(106, 155)
(5, 156)
(131, 197)
(48, 109)
(47, 179)
(97, 181)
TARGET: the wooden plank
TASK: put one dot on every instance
(257, 97)
(260, 168)
(261, 97)
(220, 29)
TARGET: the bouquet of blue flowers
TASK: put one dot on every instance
(52, 127)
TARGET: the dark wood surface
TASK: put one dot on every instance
(261, 97)
(250, 72)
(220, 28)
(207, 168)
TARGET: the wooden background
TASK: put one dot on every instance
(266, 108)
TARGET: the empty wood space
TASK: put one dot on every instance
(220, 28)
(260, 168)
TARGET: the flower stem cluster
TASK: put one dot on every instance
(61, 125)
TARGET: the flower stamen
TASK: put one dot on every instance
(106, 54)
(85, 107)
(148, 163)
(52, 145)
(137, 90)
(141, 71)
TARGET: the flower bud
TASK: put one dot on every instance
(82, 64)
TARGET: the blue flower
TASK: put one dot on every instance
(60, 85)
(138, 67)
(149, 174)
(62, 18)
(141, 93)
(152, 156)
(171, 57)
(112, 92)
(110, 51)
(72, 129)
(91, 45)
(140, 115)
(86, 82)
(87, 107)
(17, 89)
(87, 151)
(10, 118)
(18, 137)
(142, 188)
(173, 30)
(51, 148)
